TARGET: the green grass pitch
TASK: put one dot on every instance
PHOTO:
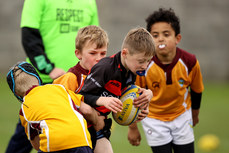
(214, 119)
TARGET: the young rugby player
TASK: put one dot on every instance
(91, 45)
(49, 113)
(175, 79)
(111, 75)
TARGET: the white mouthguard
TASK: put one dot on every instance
(162, 46)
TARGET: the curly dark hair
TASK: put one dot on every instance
(164, 15)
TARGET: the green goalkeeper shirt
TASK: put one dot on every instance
(58, 22)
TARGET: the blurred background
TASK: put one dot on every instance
(204, 30)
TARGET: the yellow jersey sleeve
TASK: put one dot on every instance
(197, 83)
(68, 80)
(76, 98)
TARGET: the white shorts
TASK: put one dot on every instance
(179, 131)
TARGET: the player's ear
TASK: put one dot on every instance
(124, 52)
(178, 38)
(78, 54)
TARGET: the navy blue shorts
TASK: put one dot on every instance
(85, 149)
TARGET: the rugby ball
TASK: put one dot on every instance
(129, 113)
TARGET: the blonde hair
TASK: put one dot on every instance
(139, 40)
(92, 33)
(23, 81)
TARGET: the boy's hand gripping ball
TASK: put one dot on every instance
(129, 113)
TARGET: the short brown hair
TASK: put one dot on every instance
(139, 40)
(92, 33)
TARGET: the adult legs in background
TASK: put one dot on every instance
(19, 142)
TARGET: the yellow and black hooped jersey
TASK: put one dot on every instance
(51, 109)
(170, 85)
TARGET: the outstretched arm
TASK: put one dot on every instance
(134, 135)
